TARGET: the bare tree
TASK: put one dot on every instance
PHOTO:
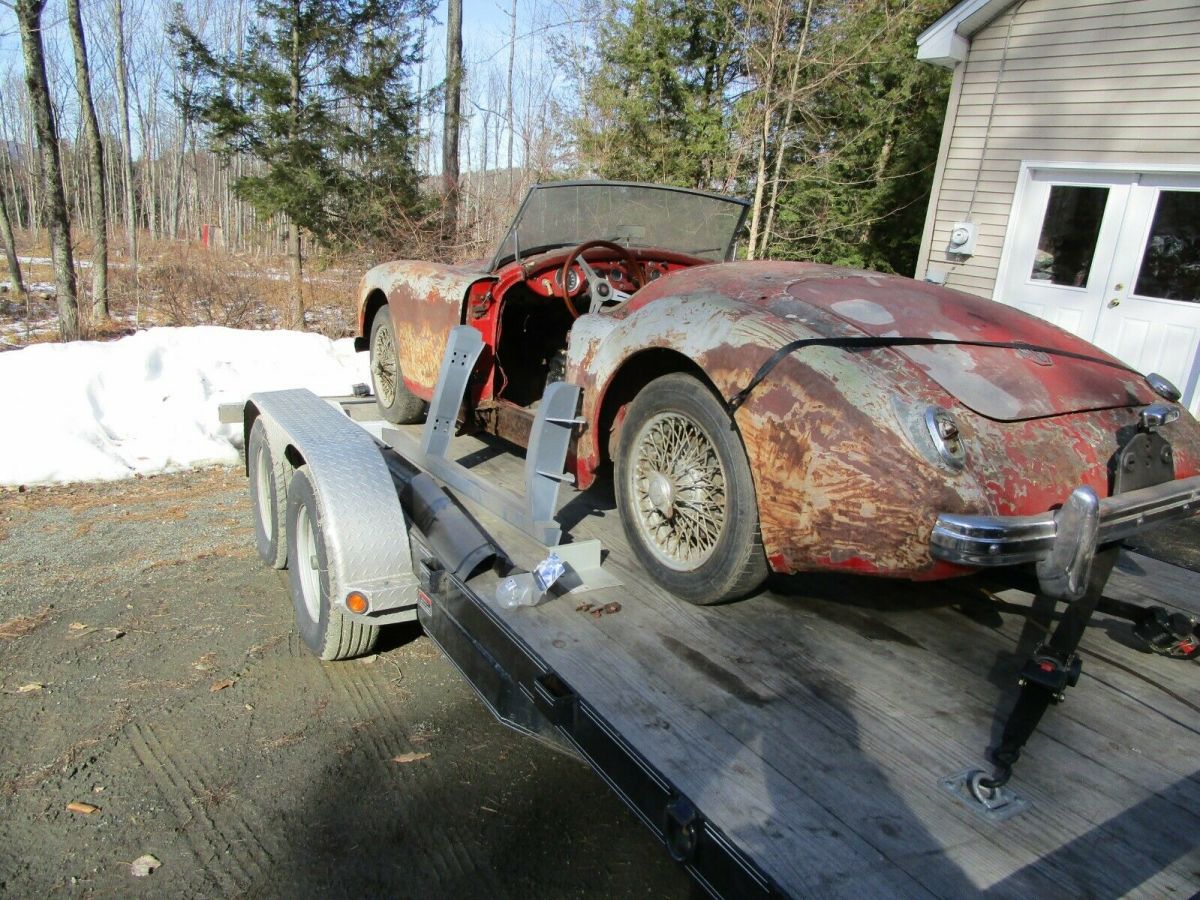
(512, 57)
(95, 165)
(10, 245)
(450, 119)
(122, 79)
(29, 22)
(781, 149)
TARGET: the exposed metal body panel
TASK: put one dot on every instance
(365, 526)
(427, 301)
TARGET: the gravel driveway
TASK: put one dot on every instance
(149, 669)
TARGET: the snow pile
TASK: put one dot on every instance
(148, 403)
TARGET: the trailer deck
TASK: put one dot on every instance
(809, 726)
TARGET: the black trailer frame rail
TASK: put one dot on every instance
(526, 694)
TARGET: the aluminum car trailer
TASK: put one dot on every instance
(805, 741)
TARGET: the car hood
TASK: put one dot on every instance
(1001, 383)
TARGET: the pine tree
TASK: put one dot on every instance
(655, 106)
(319, 97)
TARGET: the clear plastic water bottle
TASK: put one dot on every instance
(517, 590)
(529, 588)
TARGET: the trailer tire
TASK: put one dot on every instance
(268, 479)
(396, 403)
(326, 630)
(686, 494)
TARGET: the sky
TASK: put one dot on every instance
(486, 29)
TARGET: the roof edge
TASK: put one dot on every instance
(946, 42)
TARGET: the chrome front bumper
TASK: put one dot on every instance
(1062, 542)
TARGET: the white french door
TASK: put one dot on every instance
(1115, 258)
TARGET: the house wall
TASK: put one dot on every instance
(1084, 81)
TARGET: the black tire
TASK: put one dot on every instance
(396, 403)
(268, 480)
(686, 495)
(328, 632)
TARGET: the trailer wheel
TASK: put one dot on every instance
(328, 632)
(396, 403)
(686, 494)
(267, 497)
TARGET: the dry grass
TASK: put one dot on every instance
(22, 625)
(183, 284)
(174, 513)
(167, 488)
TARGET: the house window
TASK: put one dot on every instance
(1067, 243)
(1170, 268)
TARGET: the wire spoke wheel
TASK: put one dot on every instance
(678, 484)
(383, 365)
(686, 493)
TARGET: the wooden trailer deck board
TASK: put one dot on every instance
(811, 723)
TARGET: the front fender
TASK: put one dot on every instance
(427, 300)
(841, 479)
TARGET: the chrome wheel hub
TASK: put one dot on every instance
(661, 492)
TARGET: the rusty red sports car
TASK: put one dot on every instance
(786, 416)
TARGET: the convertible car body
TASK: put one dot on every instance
(787, 416)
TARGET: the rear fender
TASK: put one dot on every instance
(426, 300)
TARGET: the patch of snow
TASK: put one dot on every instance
(147, 403)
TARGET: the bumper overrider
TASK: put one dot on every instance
(1063, 542)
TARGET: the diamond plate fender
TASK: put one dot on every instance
(366, 530)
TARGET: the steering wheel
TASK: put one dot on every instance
(599, 287)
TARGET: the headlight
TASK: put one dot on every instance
(943, 431)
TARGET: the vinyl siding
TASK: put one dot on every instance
(1084, 81)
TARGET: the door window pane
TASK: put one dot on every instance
(1068, 239)
(1171, 264)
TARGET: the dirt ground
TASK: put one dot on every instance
(149, 669)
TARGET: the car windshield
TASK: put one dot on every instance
(636, 215)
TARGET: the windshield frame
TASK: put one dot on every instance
(502, 258)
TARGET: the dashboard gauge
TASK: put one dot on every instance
(654, 273)
(572, 280)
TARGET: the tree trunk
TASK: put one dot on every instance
(450, 121)
(512, 57)
(29, 21)
(126, 151)
(785, 123)
(769, 105)
(296, 263)
(95, 166)
(10, 248)
(296, 293)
